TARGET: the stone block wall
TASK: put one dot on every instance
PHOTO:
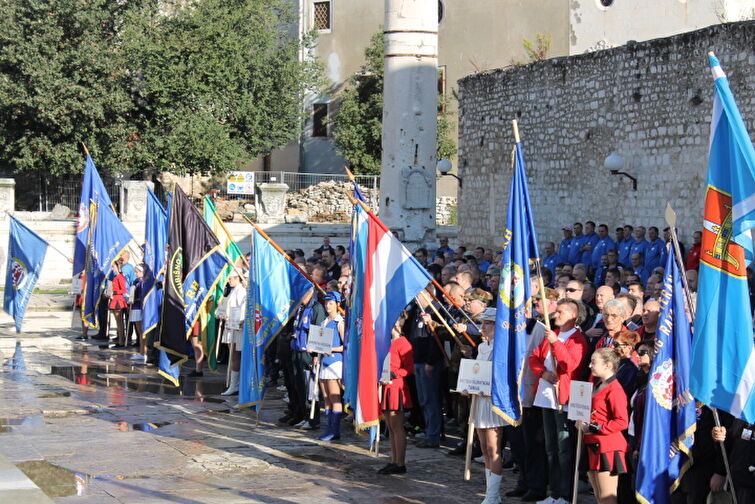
(650, 102)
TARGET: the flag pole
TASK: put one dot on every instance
(451, 317)
(541, 283)
(454, 304)
(86, 151)
(453, 334)
(470, 440)
(671, 221)
(435, 334)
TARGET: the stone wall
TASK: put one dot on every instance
(650, 102)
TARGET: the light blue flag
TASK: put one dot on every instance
(723, 354)
(510, 344)
(109, 238)
(26, 253)
(92, 189)
(155, 241)
(276, 288)
(669, 423)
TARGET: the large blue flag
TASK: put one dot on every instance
(358, 261)
(723, 354)
(669, 424)
(276, 288)
(510, 345)
(109, 237)
(155, 243)
(92, 189)
(26, 253)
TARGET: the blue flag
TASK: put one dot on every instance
(26, 253)
(155, 243)
(669, 424)
(723, 354)
(109, 237)
(358, 260)
(276, 288)
(92, 189)
(510, 343)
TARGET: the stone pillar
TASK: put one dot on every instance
(134, 199)
(271, 203)
(410, 109)
(7, 196)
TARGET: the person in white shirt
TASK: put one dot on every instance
(232, 310)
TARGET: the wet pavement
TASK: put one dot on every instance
(89, 425)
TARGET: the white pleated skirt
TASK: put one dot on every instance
(484, 416)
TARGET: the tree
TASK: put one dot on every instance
(358, 124)
(149, 85)
(220, 83)
(62, 82)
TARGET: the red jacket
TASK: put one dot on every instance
(610, 412)
(569, 357)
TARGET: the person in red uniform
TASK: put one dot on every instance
(692, 262)
(118, 303)
(396, 397)
(555, 363)
(605, 442)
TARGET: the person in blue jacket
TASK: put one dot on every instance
(331, 369)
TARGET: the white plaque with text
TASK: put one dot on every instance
(475, 376)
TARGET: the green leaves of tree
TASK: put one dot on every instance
(200, 86)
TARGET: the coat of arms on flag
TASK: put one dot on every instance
(719, 251)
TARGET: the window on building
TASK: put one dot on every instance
(441, 11)
(322, 16)
(442, 88)
(319, 120)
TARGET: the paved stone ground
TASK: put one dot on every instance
(93, 443)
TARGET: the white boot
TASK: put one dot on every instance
(493, 490)
(234, 386)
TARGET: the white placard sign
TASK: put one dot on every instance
(320, 339)
(240, 182)
(580, 401)
(76, 285)
(475, 376)
(385, 374)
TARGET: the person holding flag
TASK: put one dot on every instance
(332, 369)
(231, 310)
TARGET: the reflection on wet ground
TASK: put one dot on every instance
(6, 423)
(110, 369)
(144, 427)
(54, 480)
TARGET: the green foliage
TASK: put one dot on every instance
(221, 83)
(148, 85)
(358, 124)
(538, 50)
(62, 82)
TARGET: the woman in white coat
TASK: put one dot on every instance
(232, 309)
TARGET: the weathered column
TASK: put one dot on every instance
(271, 203)
(410, 108)
(7, 196)
(134, 199)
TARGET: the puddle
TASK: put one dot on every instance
(144, 427)
(122, 376)
(54, 480)
(7, 423)
(17, 362)
(50, 395)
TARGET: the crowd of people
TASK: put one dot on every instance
(602, 303)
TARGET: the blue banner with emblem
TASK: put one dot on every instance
(669, 423)
(275, 290)
(723, 353)
(510, 345)
(26, 253)
(92, 190)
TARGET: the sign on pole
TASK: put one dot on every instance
(240, 182)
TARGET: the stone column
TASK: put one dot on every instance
(271, 203)
(410, 109)
(7, 196)
(134, 199)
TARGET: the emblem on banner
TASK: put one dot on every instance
(176, 269)
(83, 219)
(19, 273)
(662, 384)
(718, 249)
(511, 288)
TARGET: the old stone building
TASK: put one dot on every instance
(650, 102)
